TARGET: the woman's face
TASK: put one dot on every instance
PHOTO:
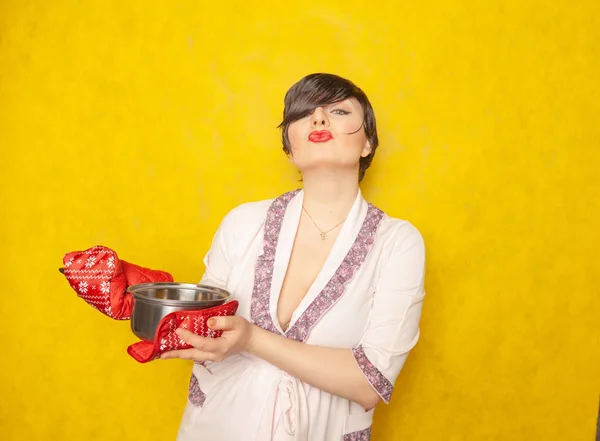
(331, 137)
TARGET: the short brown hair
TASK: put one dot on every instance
(319, 89)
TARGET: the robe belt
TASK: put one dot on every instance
(293, 405)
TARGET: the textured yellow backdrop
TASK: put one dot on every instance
(138, 125)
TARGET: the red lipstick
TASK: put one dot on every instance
(320, 136)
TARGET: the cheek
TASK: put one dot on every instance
(294, 135)
(351, 126)
(355, 136)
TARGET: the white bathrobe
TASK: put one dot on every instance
(367, 298)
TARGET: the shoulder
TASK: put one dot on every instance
(242, 222)
(399, 234)
(248, 212)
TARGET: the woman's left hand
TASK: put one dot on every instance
(237, 336)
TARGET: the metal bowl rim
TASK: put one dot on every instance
(134, 290)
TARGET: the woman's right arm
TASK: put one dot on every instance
(218, 259)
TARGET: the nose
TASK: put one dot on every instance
(319, 118)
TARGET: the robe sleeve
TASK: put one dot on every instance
(393, 327)
(218, 259)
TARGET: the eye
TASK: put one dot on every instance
(340, 112)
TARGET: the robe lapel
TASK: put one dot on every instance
(260, 311)
(347, 255)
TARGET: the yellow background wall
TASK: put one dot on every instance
(138, 125)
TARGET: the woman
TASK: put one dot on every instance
(330, 290)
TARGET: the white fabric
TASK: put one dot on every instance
(379, 311)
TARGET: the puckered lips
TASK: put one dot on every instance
(320, 136)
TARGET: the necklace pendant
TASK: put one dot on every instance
(323, 235)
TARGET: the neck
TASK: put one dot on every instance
(329, 197)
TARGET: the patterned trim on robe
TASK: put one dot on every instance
(380, 383)
(195, 395)
(260, 304)
(334, 289)
(361, 435)
(260, 310)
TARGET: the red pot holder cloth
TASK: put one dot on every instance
(101, 279)
(165, 338)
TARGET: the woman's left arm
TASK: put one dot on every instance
(363, 374)
(330, 369)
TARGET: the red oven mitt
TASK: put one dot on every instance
(165, 338)
(101, 279)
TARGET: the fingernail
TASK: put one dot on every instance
(212, 322)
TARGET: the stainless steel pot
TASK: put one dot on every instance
(153, 301)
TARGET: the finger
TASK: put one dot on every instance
(187, 335)
(188, 354)
(184, 354)
(222, 323)
(197, 341)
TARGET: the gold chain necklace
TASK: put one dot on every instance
(323, 233)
